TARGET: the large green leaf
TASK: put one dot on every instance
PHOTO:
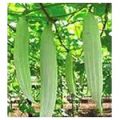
(99, 9)
(56, 10)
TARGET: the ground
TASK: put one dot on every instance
(86, 108)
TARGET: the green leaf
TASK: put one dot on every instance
(56, 10)
(107, 41)
(99, 9)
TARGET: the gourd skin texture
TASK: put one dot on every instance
(93, 58)
(69, 74)
(48, 70)
(21, 58)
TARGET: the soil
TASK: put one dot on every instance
(86, 108)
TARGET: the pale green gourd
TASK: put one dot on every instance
(93, 58)
(21, 57)
(69, 74)
(48, 70)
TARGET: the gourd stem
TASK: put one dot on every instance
(73, 105)
(29, 103)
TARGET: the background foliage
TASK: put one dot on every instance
(67, 19)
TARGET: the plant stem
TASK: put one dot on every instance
(12, 28)
(60, 39)
(29, 103)
(105, 17)
(73, 106)
(50, 19)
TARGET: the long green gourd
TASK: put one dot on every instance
(93, 58)
(69, 74)
(48, 70)
(21, 58)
